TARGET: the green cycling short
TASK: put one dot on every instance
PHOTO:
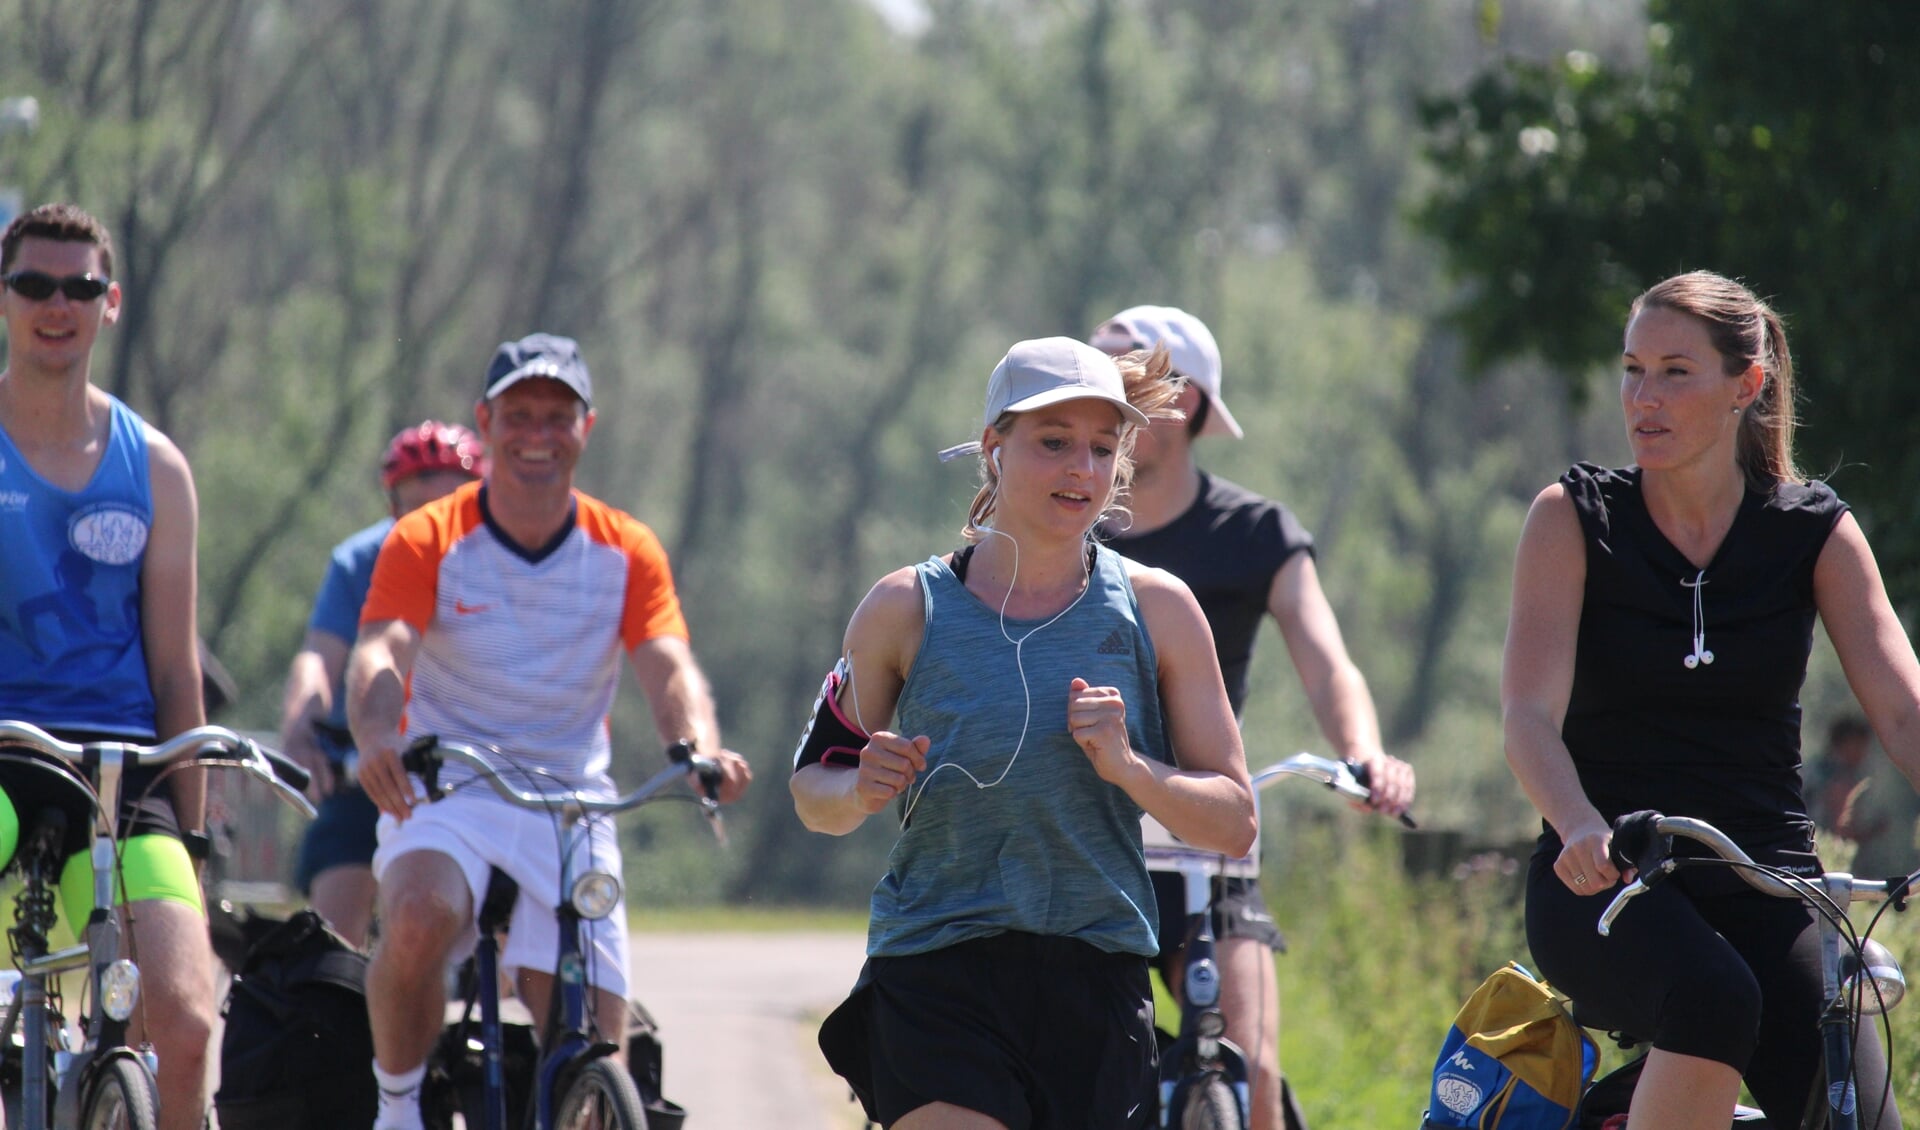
(152, 866)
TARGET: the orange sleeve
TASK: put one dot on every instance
(652, 606)
(406, 576)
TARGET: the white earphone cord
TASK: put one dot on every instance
(1019, 664)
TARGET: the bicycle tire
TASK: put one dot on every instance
(600, 1096)
(120, 1096)
(1211, 1105)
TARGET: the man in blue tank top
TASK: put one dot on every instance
(97, 588)
(335, 870)
(1246, 558)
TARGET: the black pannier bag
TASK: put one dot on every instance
(298, 1050)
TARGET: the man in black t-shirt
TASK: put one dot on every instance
(1245, 557)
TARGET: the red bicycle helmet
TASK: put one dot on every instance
(431, 446)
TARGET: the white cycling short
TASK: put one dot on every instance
(478, 831)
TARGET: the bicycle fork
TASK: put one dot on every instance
(1202, 1044)
(571, 996)
(1836, 1028)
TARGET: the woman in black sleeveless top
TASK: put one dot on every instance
(1662, 619)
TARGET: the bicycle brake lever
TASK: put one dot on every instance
(1619, 903)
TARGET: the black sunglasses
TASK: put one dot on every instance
(38, 286)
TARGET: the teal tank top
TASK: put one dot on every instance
(71, 653)
(1052, 849)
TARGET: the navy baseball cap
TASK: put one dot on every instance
(539, 355)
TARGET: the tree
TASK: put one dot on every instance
(1770, 141)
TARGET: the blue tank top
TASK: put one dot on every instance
(70, 648)
(1052, 849)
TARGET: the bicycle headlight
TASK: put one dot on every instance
(1875, 975)
(119, 989)
(595, 894)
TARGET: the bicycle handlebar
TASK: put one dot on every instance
(211, 744)
(1348, 778)
(1643, 841)
(427, 753)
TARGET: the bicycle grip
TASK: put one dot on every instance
(710, 776)
(1363, 773)
(1637, 843)
(286, 768)
(418, 756)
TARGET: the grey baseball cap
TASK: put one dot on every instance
(1053, 370)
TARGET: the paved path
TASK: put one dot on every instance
(738, 1015)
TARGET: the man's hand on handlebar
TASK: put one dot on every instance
(303, 745)
(1390, 780)
(383, 778)
(735, 776)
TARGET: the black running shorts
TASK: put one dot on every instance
(1041, 1033)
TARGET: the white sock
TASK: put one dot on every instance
(399, 1099)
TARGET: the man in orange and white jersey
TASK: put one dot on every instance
(498, 616)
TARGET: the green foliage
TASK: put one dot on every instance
(792, 243)
(1377, 964)
(1767, 141)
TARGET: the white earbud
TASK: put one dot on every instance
(996, 461)
(1700, 654)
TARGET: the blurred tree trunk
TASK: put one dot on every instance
(598, 35)
(727, 286)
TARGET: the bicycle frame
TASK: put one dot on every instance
(570, 1044)
(1201, 1048)
(1828, 895)
(96, 767)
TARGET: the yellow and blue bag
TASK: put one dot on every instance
(1513, 1060)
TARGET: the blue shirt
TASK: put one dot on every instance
(1052, 849)
(336, 610)
(71, 653)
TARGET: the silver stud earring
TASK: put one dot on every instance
(1736, 409)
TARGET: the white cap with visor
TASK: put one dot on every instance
(1190, 347)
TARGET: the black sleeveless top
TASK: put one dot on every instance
(1227, 547)
(1716, 739)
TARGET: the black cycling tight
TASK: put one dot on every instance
(1690, 973)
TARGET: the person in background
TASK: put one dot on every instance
(97, 596)
(335, 868)
(1246, 558)
(1861, 798)
(1662, 620)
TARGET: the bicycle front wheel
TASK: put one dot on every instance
(601, 1096)
(1211, 1105)
(120, 1096)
